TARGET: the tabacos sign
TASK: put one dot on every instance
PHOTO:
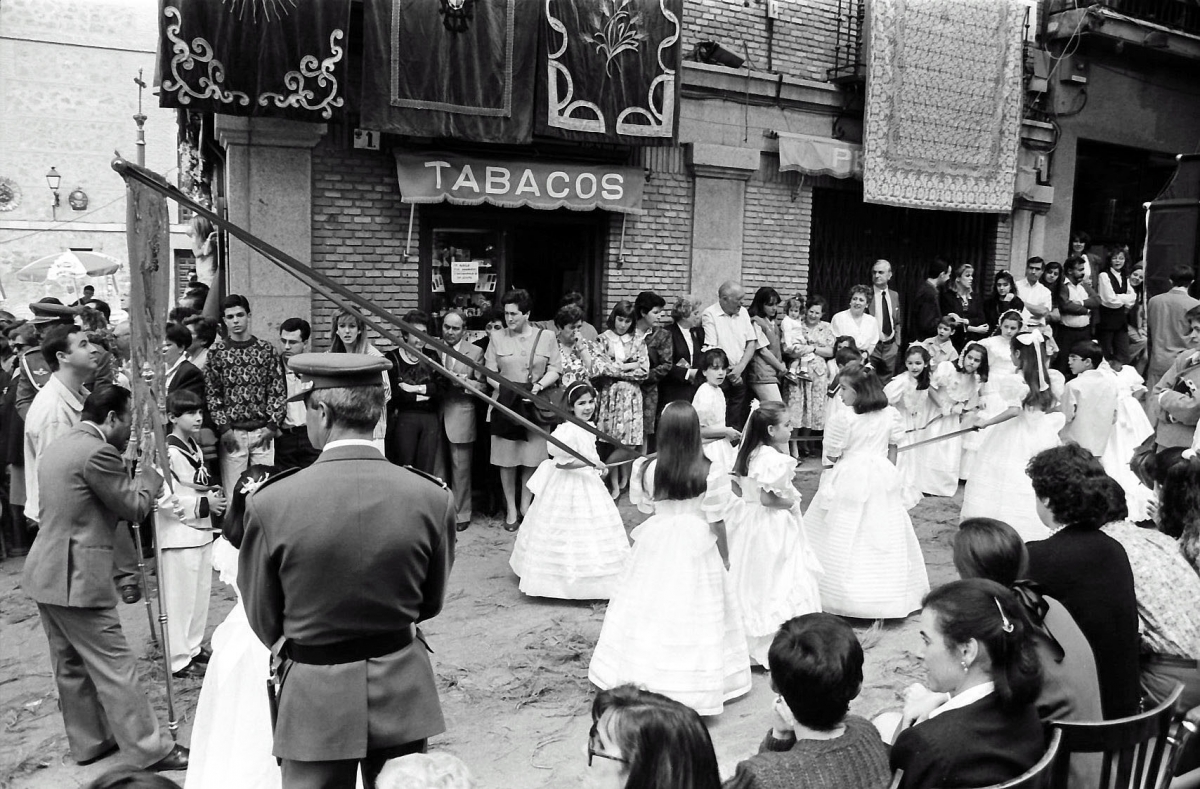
(460, 180)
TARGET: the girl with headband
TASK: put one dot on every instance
(572, 544)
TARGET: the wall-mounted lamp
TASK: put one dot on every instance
(53, 179)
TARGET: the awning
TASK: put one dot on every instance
(461, 180)
(819, 155)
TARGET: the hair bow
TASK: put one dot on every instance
(1029, 595)
(1038, 342)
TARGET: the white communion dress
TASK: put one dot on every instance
(1132, 428)
(918, 410)
(858, 525)
(1001, 489)
(771, 565)
(674, 625)
(709, 402)
(572, 543)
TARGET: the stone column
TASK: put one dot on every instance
(268, 190)
(721, 173)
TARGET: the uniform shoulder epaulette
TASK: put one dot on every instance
(271, 480)
(431, 477)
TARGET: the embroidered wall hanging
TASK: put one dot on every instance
(943, 114)
(609, 70)
(281, 58)
(450, 68)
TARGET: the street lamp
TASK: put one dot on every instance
(53, 179)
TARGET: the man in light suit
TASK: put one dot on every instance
(69, 574)
(339, 562)
(458, 414)
(1167, 324)
(884, 305)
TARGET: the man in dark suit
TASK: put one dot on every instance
(292, 449)
(925, 310)
(884, 305)
(338, 564)
(181, 374)
(458, 413)
(687, 351)
(70, 575)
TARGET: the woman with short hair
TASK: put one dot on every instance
(687, 350)
(979, 651)
(958, 298)
(646, 310)
(856, 322)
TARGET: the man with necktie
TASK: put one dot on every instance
(292, 449)
(885, 307)
(458, 413)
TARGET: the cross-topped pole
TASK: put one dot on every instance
(140, 120)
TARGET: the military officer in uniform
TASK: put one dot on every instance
(338, 564)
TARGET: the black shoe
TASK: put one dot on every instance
(462, 526)
(104, 754)
(131, 594)
(203, 656)
(193, 670)
(177, 759)
(512, 527)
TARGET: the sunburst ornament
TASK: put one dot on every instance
(267, 8)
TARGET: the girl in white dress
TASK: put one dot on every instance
(674, 626)
(1132, 428)
(1001, 372)
(911, 394)
(709, 402)
(231, 737)
(771, 565)
(958, 385)
(572, 544)
(1028, 424)
(857, 525)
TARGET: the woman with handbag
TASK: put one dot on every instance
(528, 356)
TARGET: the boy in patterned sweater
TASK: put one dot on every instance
(246, 393)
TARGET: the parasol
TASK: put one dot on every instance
(75, 264)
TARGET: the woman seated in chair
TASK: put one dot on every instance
(979, 650)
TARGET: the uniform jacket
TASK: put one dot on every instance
(351, 546)
(1175, 413)
(458, 407)
(87, 489)
(34, 375)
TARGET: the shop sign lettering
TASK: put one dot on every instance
(434, 178)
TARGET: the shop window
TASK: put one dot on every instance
(464, 273)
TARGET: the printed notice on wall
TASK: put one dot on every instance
(463, 272)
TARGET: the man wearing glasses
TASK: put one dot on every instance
(458, 413)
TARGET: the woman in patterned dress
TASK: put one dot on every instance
(659, 352)
(621, 392)
(807, 399)
(581, 360)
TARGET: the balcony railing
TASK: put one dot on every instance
(849, 59)
(1179, 15)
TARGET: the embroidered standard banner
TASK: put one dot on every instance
(450, 68)
(443, 177)
(282, 58)
(943, 114)
(608, 70)
(819, 155)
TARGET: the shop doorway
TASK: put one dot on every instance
(1112, 185)
(472, 255)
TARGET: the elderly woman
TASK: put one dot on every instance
(958, 299)
(647, 308)
(1087, 570)
(526, 356)
(350, 336)
(978, 650)
(857, 323)
(807, 399)
(579, 357)
(767, 368)
(687, 349)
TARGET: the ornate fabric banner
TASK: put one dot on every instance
(450, 68)
(819, 155)
(282, 58)
(609, 70)
(943, 114)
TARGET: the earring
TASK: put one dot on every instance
(964, 665)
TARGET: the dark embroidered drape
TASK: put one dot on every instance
(281, 58)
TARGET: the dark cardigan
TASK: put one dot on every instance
(1088, 572)
(976, 745)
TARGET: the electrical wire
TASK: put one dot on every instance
(1075, 38)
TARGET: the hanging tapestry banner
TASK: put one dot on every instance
(943, 112)
(459, 180)
(254, 57)
(609, 70)
(450, 68)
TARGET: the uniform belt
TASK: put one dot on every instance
(1173, 661)
(350, 651)
(296, 429)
